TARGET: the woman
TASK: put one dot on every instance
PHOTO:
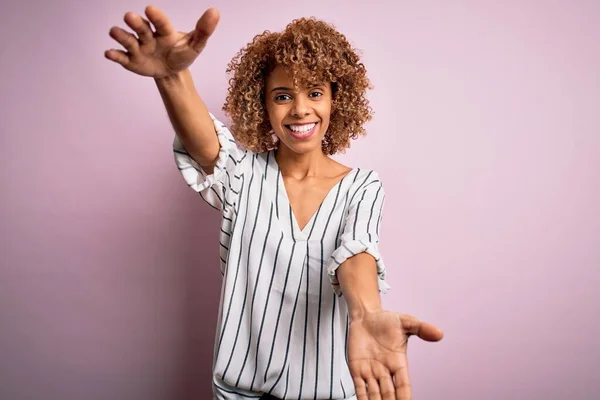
(300, 313)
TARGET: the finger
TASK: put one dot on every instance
(118, 56)
(402, 384)
(140, 26)
(386, 387)
(159, 19)
(204, 28)
(124, 38)
(361, 388)
(423, 330)
(373, 389)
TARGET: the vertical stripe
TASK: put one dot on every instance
(346, 339)
(345, 352)
(371, 214)
(280, 311)
(266, 309)
(212, 188)
(380, 215)
(306, 313)
(260, 264)
(356, 215)
(341, 223)
(307, 308)
(319, 319)
(287, 350)
(277, 193)
(219, 334)
(334, 300)
(292, 224)
(267, 165)
(321, 284)
(359, 187)
(239, 259)
(247, 278)
(287, 381)
(259, 337)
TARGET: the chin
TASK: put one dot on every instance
(303, 148)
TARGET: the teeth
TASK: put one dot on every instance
(302, 128)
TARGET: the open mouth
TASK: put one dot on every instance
(302, 131)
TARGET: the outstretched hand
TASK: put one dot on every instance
(377, 353)
(157, 49)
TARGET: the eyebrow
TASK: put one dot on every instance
(280, 88)
(311, 86)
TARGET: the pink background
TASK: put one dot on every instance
(487, 136)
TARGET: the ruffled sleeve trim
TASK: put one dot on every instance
(350, 249)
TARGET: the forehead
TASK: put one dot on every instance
(281, 76)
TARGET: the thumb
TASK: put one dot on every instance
(423, 330)
(204, 29)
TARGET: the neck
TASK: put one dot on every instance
(301, 165)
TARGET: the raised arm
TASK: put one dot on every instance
(190, 118)
(155, 49)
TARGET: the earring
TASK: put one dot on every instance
(274, 137)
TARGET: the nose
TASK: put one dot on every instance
(300, 108)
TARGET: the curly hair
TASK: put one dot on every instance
(311, 51)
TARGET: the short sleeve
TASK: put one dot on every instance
(361, 231)
(218, 188)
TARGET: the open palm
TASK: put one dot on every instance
(157, 49)
(377, 354)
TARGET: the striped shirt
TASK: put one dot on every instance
(282, 327)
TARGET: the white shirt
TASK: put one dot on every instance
(283, 322)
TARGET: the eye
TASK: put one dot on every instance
(315, 94)
(282, 97)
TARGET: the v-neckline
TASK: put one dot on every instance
(301, 233)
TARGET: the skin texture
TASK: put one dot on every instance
(276, 83)
(288, 105)
(308, 174)
(154, 48)
(378, 338)
(311, 51)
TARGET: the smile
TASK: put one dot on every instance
(302, 131)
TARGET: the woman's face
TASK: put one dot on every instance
(299, 116)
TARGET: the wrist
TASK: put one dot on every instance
(175, 80)
(361, 312)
